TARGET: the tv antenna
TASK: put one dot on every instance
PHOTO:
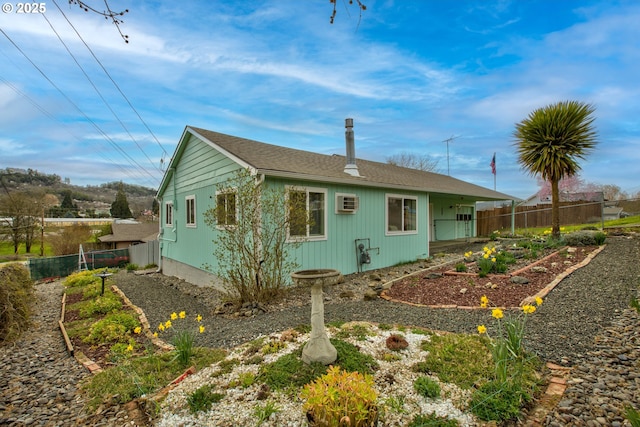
(448, 140)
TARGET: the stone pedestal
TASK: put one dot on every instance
(319, 348)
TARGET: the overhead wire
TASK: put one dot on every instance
(65, 96)
(46, 113)
(112, 80)
(98, 91)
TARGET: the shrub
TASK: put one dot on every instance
(461, 267)
(426, 387)
(16, 294)
(341, 398)
(101, 305)
(131, 267)
(115, 327)
(599, 237)
(498, 401)
(203, 398)
(396, 342)
(263, 412)
(584, 238)
(432, 420)
(82, 278)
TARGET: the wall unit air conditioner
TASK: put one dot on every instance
(347, 203)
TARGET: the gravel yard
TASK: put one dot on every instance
(561, 331)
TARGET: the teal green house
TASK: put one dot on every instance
(367, 215)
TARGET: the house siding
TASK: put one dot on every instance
(199, 171)
(338, 250)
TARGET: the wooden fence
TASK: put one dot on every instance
(537, 216)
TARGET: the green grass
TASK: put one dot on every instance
(143, 375)
(631, 220)
(7, 253)
(464, 360)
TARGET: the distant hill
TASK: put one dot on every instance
(88, 198)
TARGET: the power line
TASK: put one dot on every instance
(112, 80)
(46, 113)
(97, 90)
(115, 145)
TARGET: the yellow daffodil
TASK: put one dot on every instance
(497, 313)
(155, 334)
(182, 315)
(484, 299)
(483, 305)
(167, 324)
(538, 301)
(493, 250)
(174, 316)
(528, 309)
(198, 318)
(485, 256)
(129, 347)
(482, 329)
(161, 327)
(485, 249)
(137, 330)
(493, 259)
(201, 329)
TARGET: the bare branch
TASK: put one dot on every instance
(361, 8)
(108, 14)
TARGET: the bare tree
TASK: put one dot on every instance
(69, 240)
(410, 160)
(21, 214)
(252, 246)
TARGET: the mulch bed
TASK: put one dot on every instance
(465, 290)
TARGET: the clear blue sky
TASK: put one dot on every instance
(410, 73)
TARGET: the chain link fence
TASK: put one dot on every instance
(62, 266)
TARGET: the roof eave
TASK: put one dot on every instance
(349, 180)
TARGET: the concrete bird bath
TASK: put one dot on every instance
(319, 348)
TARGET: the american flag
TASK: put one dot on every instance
(493, 164)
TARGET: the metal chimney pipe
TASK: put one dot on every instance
(351, 168)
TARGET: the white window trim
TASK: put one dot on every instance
(231, 190)
(168, 206)
(309, 238)
(193, 224)
(386, 215)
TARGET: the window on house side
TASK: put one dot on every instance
(168, 214)
(311, 204)
(191, 210)
(225, 209)
(401, 214)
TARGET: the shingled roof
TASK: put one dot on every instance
(140, 232)
(277, 161)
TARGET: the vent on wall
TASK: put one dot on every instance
(347, 203)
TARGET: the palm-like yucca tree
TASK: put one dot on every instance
(551, 140)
